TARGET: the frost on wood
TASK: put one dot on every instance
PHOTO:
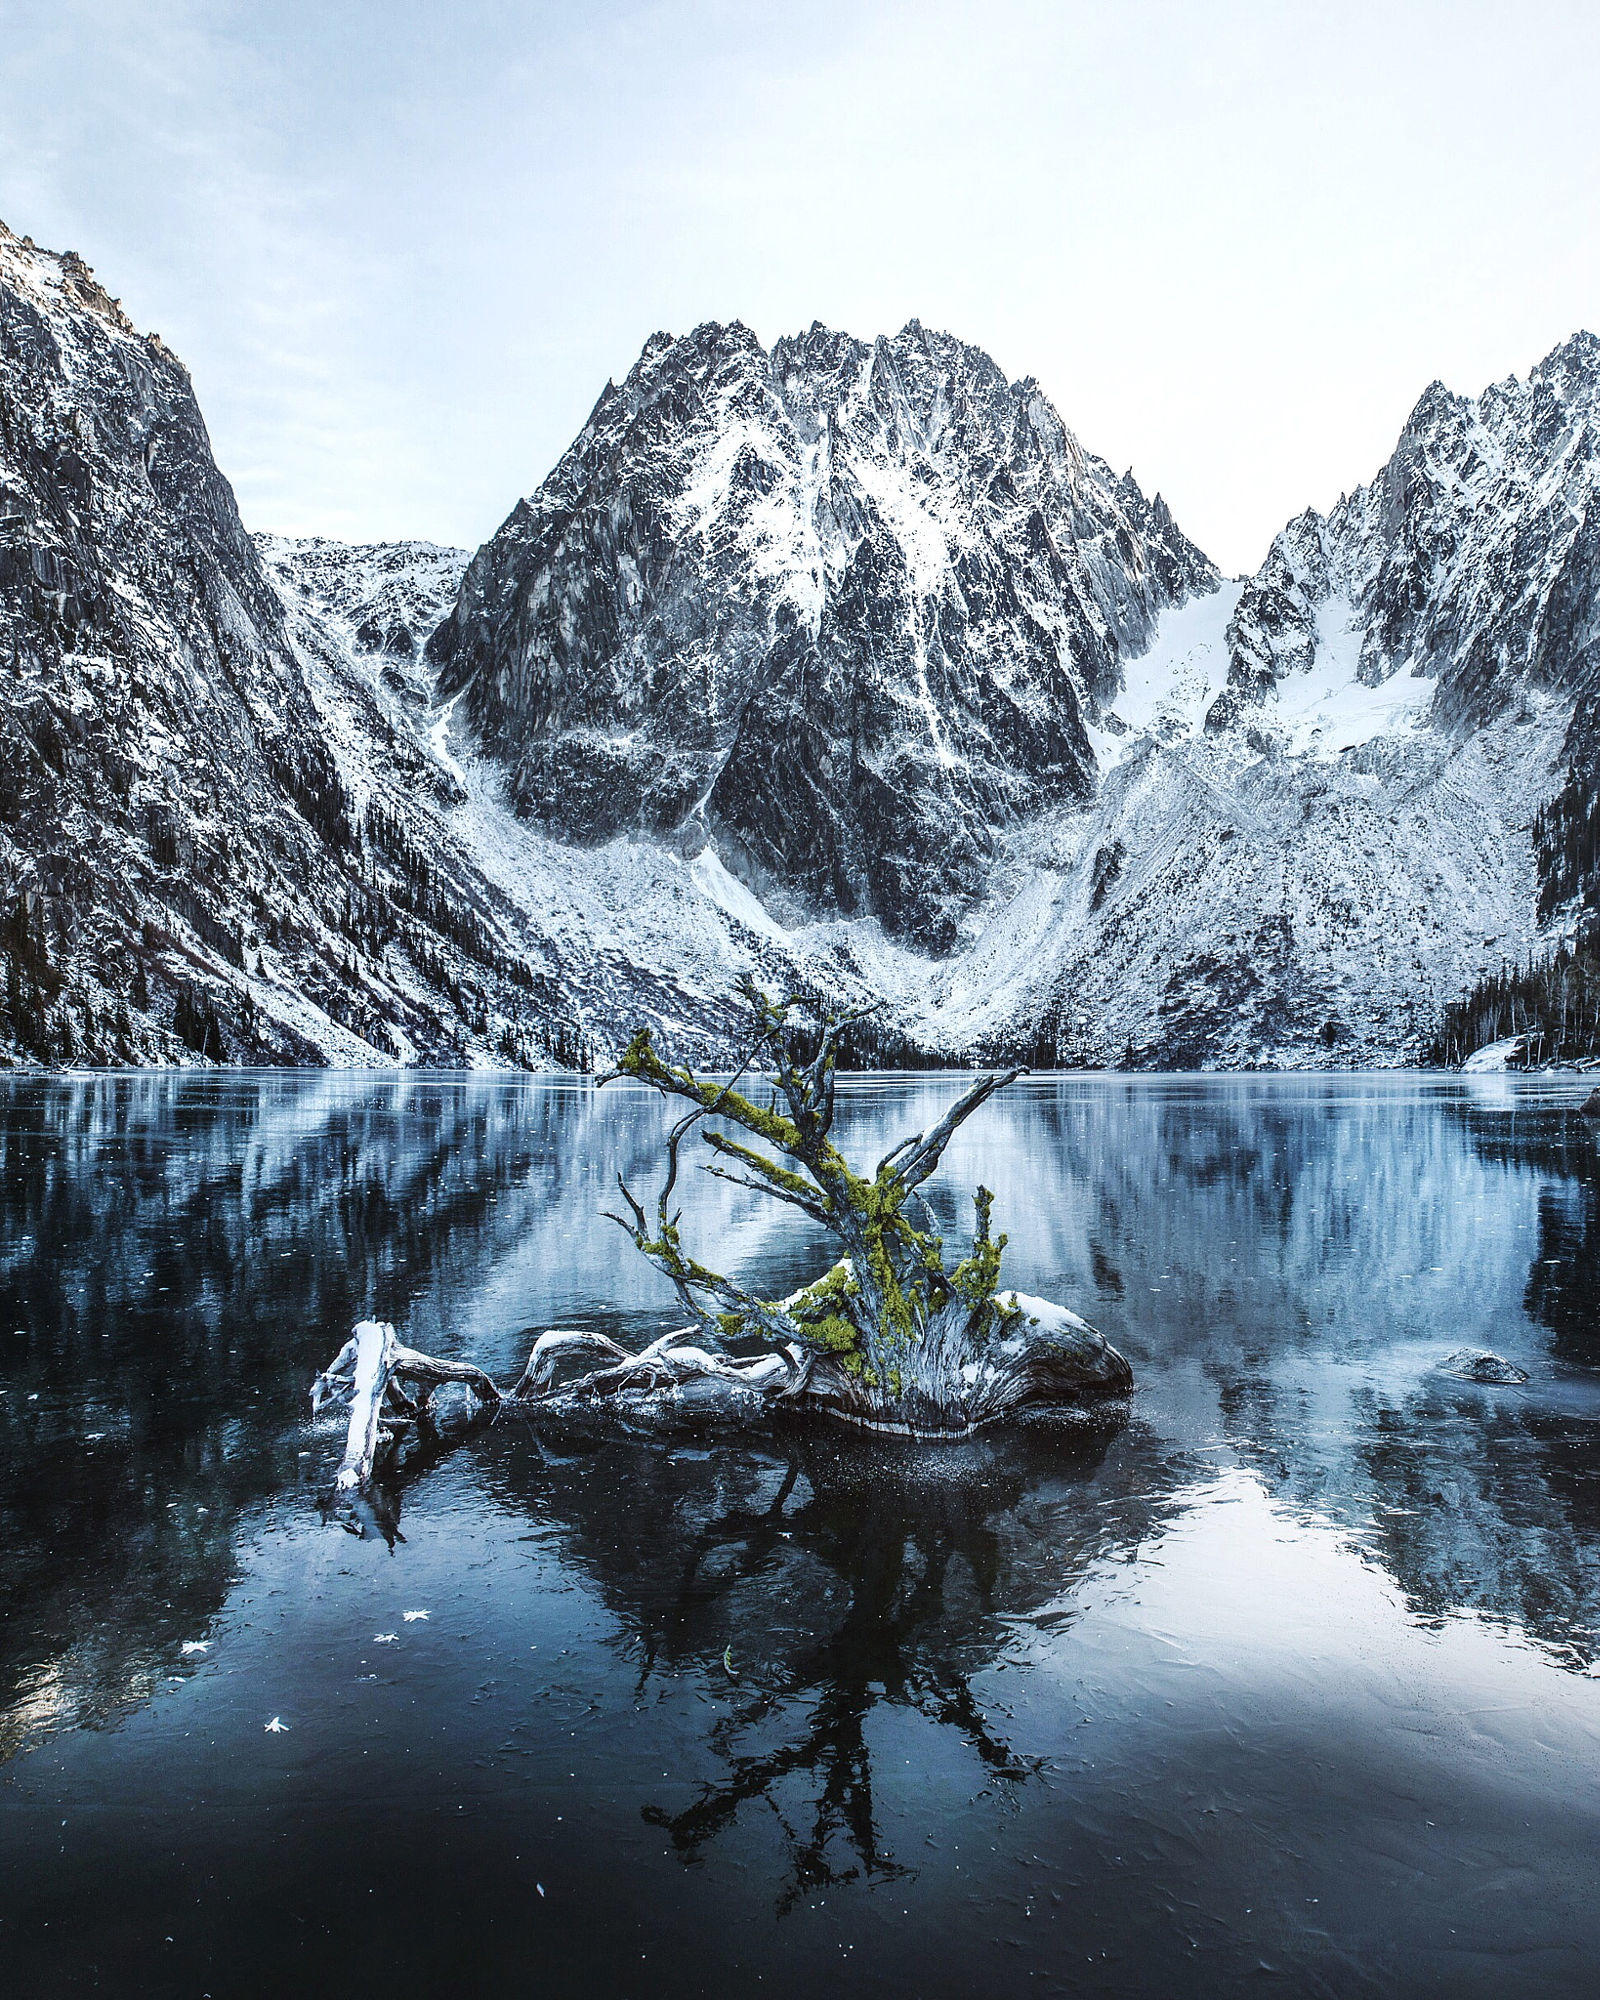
(892, 1337)
(388, 1388)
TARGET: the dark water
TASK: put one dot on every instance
(1289, 1686)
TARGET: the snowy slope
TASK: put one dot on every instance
(388, 597)
(232, 822)
(1315, 821)
(1469, 563)
(627, 932)
(1217, 907)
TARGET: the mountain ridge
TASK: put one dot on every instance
(881, 574)
(231, 824)
(841, 663)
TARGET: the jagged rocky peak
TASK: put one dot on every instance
(56, 279)
(1469, 562)
(108, 475)
(841, 607)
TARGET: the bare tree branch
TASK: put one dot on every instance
(927, 1153)
(809, 1208)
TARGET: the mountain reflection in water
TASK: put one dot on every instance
(1132, 1709)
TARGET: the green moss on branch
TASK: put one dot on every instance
(876, 1303)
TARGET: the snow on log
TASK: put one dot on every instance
(370, 1372)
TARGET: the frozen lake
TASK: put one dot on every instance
(1287, 1685)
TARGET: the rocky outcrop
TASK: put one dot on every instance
(231, 824)
(1470, 562)
(843, 609)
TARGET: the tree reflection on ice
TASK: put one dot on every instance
(844, 1577)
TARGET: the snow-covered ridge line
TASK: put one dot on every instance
(842, 608)
(841, 663)
(1315, 822)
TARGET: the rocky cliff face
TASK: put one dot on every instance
(231, 823)
(153, 714)
(1469, 563)
(842, 609)
(1333, 797)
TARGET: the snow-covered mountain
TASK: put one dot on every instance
(1316, 816)
(1225, 904)
(1136, 818)
(840, 664)
(168, 800)
(384, 597)
(232, 825)
(842, 609)
(1469, 563)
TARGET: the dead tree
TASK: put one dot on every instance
(892, 1337)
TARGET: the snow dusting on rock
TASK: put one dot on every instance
(840, 663)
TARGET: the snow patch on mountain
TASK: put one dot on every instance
(387, 598)
(617, 934)
(844, 608)
(1167, 690)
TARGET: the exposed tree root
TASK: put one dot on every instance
(1046, 1362)
(893, 1338)
(957, 1380)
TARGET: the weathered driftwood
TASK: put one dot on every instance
(371, 1372)
(1041, 1362)
(892, 1338)
(612, 1370)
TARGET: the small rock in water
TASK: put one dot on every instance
(1477, 1364)
(1591, 1104)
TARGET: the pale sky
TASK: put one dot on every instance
(401, 246)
